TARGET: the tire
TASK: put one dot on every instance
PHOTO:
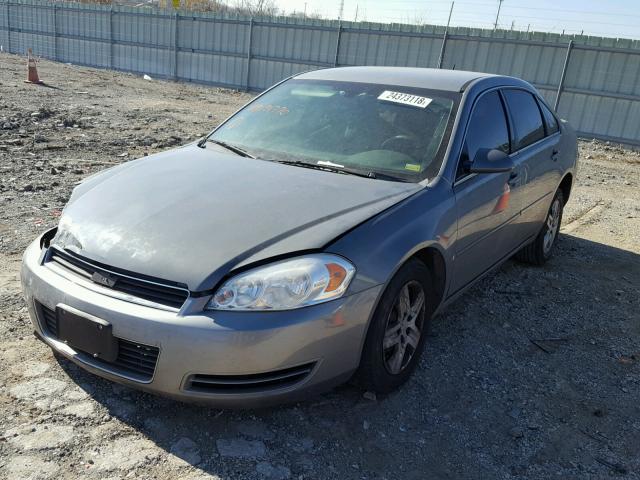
(378, 371)
(541, 249)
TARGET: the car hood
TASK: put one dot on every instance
(191, 215)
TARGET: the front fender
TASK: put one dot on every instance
(381, 245)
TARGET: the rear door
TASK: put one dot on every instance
(487, 204)
(536, 146)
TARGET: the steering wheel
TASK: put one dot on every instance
(403, 143)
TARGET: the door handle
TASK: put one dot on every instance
(554, 154)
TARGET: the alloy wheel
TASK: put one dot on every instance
(552, 226)
(404, 327)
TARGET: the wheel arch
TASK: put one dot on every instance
(435, 262)
(433, 257)
(565, 186)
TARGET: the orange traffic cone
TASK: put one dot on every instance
(32, 70)
(503, 201)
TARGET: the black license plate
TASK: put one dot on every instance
(88, 334)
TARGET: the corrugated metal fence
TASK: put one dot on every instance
(598, 79)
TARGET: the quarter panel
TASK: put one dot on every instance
(568, 149)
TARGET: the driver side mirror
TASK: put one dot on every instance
(491, 161)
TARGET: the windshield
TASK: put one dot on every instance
(390, 130)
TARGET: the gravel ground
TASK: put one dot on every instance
(534, 373)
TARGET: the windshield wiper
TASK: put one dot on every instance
(228, 146)
(345, 170)
(328, 168)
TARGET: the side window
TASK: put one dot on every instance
(525, 115)
(487, 128)
(549, 119)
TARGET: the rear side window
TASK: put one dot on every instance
(549, 119)
(487, 129)
(526, 117)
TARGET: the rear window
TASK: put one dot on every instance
(549, 119)
(526, 117)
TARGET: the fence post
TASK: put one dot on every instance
(8, 6)
(111, 37)
(175, 46)
(444, 43)
(249, 42)
(55, 32)
(335, 60)
(563, 75)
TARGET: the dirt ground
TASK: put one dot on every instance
(534, 373)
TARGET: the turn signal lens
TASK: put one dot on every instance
(337, 274)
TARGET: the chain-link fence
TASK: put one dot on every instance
(593, 81)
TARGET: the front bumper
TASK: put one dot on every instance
(229, 345)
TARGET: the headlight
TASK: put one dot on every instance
(285, 285)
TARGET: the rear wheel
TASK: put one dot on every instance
(541, 249)
(398, 328)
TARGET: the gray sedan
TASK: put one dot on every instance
(308, 239)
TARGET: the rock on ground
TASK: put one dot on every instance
(124, 454)
(185, 450)
(38, 389)
(240, 448)
(26, 467)
(265, 469)
(40, 436)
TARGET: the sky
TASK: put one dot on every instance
(606, 18)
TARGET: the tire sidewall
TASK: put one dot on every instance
(547, 255)
(379, 378)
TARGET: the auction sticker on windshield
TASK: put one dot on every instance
(405, 99)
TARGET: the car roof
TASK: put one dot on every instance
(432, 78)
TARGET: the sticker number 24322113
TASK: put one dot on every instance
(405, 99)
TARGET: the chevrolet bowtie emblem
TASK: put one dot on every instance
(103, 279)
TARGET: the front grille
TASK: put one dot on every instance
(137, 358)
(154, 291)
(258, 382)
(134, 360)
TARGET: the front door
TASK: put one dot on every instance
(488, 205)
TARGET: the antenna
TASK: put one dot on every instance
(341, 13)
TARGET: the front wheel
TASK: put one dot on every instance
(541, 249)
(398, 329)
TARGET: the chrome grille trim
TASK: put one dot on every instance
(128, 288)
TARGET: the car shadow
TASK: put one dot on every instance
(528, 356)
